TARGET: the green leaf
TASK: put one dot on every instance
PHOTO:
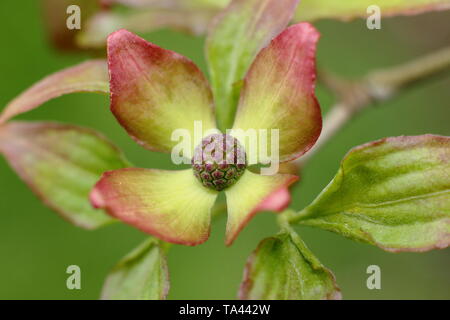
(61, 163)
(393, 193)
(141, 275)
(236, 36)
(283, 268)
(310, 10)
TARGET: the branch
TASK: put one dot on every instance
(377, 86)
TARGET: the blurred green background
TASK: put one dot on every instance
(36, 245)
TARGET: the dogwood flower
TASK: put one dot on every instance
(156, 91)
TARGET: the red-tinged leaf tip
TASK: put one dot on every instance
(89, 76)
(262, 193)
(171, 205)
(96, 199)
(156, 91)
(281, 82)
(277, 201)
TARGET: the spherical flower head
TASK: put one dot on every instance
(219, 161)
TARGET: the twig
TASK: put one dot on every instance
(377, 86)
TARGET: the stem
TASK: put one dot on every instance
(386, 82)
(296, 216)
(376, 86)
(284, 218)
(289, 217)
(338, 116)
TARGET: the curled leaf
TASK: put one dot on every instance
(283, 268)
(141, 275)
(61, 163)
(393, 193)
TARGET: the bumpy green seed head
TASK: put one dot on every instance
(219, 161)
